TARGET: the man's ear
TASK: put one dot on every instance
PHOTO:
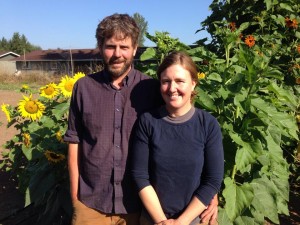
(135, 50)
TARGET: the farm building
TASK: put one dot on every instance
(60, 61)
(7, 66)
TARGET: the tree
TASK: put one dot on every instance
(143, 25)
(18, 44)
(4, 46)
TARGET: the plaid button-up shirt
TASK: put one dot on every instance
(101, 118)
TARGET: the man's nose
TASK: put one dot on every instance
(117, 52)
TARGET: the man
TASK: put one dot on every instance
(104, 107)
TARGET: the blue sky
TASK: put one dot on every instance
(66, 24)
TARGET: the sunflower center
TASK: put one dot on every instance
(54, 155)
(49, 90)
(31, 107)
(69, 86)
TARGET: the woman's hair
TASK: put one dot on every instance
(183, 59)
(119, 25)
(179, 58)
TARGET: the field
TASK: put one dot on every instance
(11, 200)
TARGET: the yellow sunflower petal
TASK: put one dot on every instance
(4, 108)
(30, 108)
(49, 91)
(66, 86)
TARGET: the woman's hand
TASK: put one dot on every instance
(211, 213)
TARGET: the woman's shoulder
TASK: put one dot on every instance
(205, 117)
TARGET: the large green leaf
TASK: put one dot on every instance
(284, 95)
(205, 100)
(284, 121)
(223, 218)
(248, 152)
(148, 54)
(237, 198)
(245, 220)
(41, 181)
(264, 201)
(61, 109)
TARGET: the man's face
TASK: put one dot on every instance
(118, 56)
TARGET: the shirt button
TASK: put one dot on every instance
(118, 146)
(117, 109)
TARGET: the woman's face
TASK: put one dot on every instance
(176, 86)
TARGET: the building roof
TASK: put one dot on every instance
(65, 55)
(60, 55)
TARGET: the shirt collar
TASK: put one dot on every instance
(127, 81)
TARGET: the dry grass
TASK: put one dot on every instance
(30, 78)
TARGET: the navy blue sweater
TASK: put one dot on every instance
(180, 160)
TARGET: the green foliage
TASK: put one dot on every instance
(18, 44)
(37, 154)
(143, 25)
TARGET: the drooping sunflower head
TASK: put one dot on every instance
(66, 85)
(5, 109)
(25, 89)
(26, 139)
(31, 108)
(54, 157)
(49, 91)
(59, 136)
(78, 75)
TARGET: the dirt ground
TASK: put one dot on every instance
(12, 202)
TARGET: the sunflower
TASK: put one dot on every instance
(78, 75)
(250, 41)
(30, 108)
(291, 23)
(49, 91)
(298, 48)
(201, 75)
(66, 85)
(58, 136)
(4, 108)
(54, 157)
(26, 139)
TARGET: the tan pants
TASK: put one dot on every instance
(83, 215)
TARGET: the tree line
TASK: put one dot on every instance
(18, 44)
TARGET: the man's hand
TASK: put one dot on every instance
(211, 213)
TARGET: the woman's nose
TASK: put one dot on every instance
(172, 87)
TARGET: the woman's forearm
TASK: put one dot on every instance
(193, 210)
(152, 204)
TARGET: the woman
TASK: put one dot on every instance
(178, 160)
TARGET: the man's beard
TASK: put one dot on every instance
(120, 71)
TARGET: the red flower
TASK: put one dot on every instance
(232, 26)
(291, 23)
(250, 41)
